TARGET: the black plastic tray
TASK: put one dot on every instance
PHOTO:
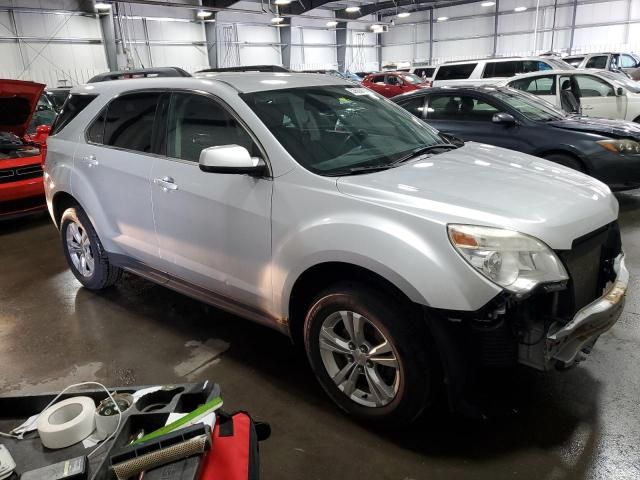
(149, 413)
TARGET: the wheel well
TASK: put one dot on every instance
(321, 276)
(61, 201)
(637, 119)
(566, 153)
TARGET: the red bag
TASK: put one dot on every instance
(234, 451)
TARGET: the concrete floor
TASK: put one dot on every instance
(580, 424)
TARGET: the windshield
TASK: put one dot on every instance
(532, 107)
(559, 64)
(411, 78)
(330, 129)
(621, 78)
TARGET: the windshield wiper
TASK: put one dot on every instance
(357, 170)
(421, 150)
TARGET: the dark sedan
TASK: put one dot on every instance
(609, 150)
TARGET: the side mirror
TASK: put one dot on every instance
(504, 118)
(619, 91)
(458, 142)
(231, 159)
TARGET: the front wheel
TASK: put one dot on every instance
(369, 354)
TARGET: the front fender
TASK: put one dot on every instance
(422, 264)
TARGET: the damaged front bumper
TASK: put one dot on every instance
(564, 342)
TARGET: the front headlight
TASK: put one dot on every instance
(513, 260)
(620, 146)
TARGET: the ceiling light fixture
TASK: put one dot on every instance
(404, 14)
(102, 6)
(442, 19)
(487, 4)
(519, 9)
(332, 23)
(376, 28)
(277, 20)
(282, 2)
(203, 14)
(352, 9)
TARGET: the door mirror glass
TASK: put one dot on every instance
(620, 91)
(457, 141)
(231, 159)
(504, 118)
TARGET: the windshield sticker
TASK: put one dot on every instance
(359, 91)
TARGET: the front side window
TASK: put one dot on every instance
(599, 61)
(197, 122)
(528, 105)
(129, 120)
(378, 79)
(462, 108)
(591, 86)
(455, 72)
(627, 61)
(333, 129)
(411, 78)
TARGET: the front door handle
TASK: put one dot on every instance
(90, 160)
(587, 107)
(167, 183)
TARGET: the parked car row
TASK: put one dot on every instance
(399, 246)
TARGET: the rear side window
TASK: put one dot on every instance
(424, 72)
(377, 79)
(72, 107)
(538, 86)
(513, 68)
(129, 121)
(462, 108)
(599, 61)
(455, 72)
(415, 106)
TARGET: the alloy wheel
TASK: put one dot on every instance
(360, 360)
(79, 248)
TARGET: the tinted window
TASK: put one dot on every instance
(393, 80)
(599, 61)
(424, 72)
(593, 87)
(627, 61)
(455, 72)
(461, 108)
(197, 122)
(414, 106)
(377, 79)
(72, 107)
(129, 121)
(538, 86)
(513, 67)
(95, 132)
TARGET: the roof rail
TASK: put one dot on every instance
(247, 68)
(140, 73)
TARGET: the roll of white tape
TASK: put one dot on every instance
(67, 422)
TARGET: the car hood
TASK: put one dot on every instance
(18, 100)
(610, 128)
(486, 185)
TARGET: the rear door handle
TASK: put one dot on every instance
(167, 183)
(586, 107)
(90, 160)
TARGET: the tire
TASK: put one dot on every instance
(566, 161)
(84, 252)
(407, 389)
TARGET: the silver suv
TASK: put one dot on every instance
(394, 255)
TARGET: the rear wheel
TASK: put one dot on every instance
(566, 160)
(83, 250)
(369, 354)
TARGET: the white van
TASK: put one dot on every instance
(490, 70)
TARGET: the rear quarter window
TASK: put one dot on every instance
(455, 72)
(74, 104)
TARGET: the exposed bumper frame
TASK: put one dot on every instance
(564, 342)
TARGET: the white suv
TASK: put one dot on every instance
(326, 212)
(486, 71)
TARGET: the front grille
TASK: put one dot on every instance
(590, 266)
(8, 175)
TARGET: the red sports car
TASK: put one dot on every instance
(391, 84)
(21, 155)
